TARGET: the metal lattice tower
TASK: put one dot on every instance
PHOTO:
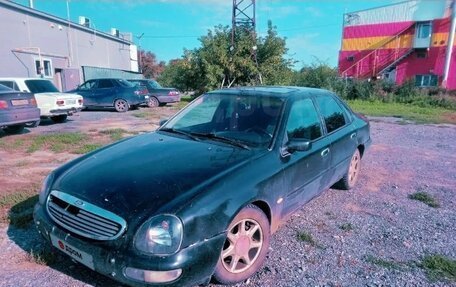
(244, 19)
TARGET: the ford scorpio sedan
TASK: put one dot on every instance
(199, 198)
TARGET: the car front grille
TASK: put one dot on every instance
(83, 218)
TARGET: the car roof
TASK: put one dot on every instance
(277, 91)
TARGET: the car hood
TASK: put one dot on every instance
(140, 176)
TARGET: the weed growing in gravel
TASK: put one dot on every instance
(44, 256)
(306, 237)
(56, 142)
(116, 134)
(346, 227)
(87, 148)
(389, 264)
(425, 198)
(439, 267)
(17, 208)
(140, 115)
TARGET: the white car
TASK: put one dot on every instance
(51, 102)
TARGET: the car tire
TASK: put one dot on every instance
(59, 118)
(121, 105)
(16, 129)
(350, 178)
(244, 251)
(153, 102)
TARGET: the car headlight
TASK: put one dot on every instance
(45, 188)
(160, 235)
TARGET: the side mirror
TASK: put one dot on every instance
(298, 145)
(163, 121)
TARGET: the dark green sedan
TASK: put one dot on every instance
(198, 198)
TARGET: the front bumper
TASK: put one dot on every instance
(196, 261)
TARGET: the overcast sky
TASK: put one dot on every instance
(312, 28)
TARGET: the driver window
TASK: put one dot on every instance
(87, 85)
(303, 121)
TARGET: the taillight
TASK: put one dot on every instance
(80, 101)
(32, 102)
(3, 105)
(60, 102)
(141, 92)
(173, 93)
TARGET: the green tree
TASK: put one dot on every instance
(216, 64)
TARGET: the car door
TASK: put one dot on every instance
(340, 132)
(305, 172)
(105, 92)
(86, 90)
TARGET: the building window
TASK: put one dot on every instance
(426, 80)
(45, 71)
(424, 30)
(421, 54)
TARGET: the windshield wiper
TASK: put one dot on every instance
(213, 136)
(181, 132)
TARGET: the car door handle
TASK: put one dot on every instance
(353, 136)
(325, 152)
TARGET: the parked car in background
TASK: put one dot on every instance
(17, 109)
(158, 96)
(111, 92)
(51, 102)
(222, 175)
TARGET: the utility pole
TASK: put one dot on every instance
(139, 52)
(243, 18)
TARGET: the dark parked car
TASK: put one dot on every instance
(117, 93)
(17, 109)
(158, 96)
(200, 197)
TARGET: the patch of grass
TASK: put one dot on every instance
(17, 208)
(140, 115)
(87, 148)
(346, 227)
(388, 264)
(44, 256)
(306, 237)
(115, 134)
(406, 111)
(425, 197)
(56, 142)
(439, 267)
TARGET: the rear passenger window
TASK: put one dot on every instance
(331, 112)
(303, 121)
(10, 84)
(105, 84)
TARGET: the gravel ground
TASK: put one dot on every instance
(373, 235)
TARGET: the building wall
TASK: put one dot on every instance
(378, 36)
(26, 35)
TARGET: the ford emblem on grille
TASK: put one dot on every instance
(79, 202)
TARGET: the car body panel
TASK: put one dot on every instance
(21, 108)
(203, 182)
(47, 101)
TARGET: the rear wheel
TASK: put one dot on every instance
(121, 105)
(14, 129)
(245, 247)
(59, 118)
(348, 181)
(153, 102)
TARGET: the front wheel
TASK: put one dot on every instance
(245, 247)
(121, 105)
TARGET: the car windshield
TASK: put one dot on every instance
(250, 120)
(125, 83)
(41, 86)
